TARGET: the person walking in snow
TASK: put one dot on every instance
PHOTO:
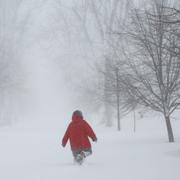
(77, 133)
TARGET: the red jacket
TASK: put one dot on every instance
(78, 132)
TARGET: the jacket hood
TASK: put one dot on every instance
(76, 118)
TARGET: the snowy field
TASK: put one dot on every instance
(29, 152)
(57, 54)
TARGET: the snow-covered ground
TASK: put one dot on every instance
(29, 152)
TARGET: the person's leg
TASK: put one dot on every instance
(78, 157)
(76, 152)
(87, 152)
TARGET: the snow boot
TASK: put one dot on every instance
(79, 159)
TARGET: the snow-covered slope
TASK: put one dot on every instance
(32, 152)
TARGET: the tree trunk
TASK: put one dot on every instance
(169, 129)
(134, 121)
(107, 115)
(118, 114)
(107, 107)
(118, 100)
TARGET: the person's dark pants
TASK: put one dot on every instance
(85, 152)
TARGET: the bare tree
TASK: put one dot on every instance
(96, 22)
(153, 76)
(104, 16)
(10, 68)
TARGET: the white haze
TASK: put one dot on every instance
(52, 59)
(48, 60)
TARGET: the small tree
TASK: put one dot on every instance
(153, 77)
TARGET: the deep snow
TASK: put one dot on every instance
(34, 152)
